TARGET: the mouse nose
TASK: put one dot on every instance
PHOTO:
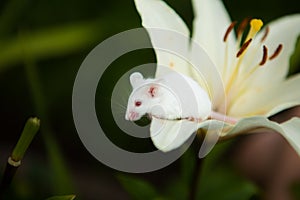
(132, 116)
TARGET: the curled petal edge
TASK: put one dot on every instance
(168, 135)
(290, 129)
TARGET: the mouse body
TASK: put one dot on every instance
(172, 96)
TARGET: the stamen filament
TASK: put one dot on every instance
(255, 26)
(277, 51)
(225, 60)
(239, 55)
(247, 75)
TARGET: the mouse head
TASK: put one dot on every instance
(144, 95)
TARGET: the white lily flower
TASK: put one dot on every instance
(254, 74)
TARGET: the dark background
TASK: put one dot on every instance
(42, 45)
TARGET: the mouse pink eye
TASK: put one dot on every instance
(138, 103)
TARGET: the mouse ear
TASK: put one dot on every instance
(152, 91)
(135, 79)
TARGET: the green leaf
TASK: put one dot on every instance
(61, 179)
(65, 197)
(138, 188)
(50, 42)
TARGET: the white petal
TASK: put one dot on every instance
(157, 15)
(269, 100)
(254, 101)
(210, 24)
(205, 72)
(248, 98)
(168, 135)
(291, 133)
(288, 95)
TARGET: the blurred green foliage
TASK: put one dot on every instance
(138, 188)
(218, 180)
(295, 190)
(42, 44)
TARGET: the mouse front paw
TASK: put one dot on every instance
(194, 119)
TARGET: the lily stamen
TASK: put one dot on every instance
(242, 27)
(243, 48)
(255, 26)
(262, 62)
(267, 30)
(265, 56)
(276, 52)
(229, 29)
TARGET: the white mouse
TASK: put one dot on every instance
(172, 96)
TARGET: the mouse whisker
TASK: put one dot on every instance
(119, 106)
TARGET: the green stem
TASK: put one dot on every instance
(31, 128)
(196, 179)
(14, 161)
(9, 172)
(197, 170)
